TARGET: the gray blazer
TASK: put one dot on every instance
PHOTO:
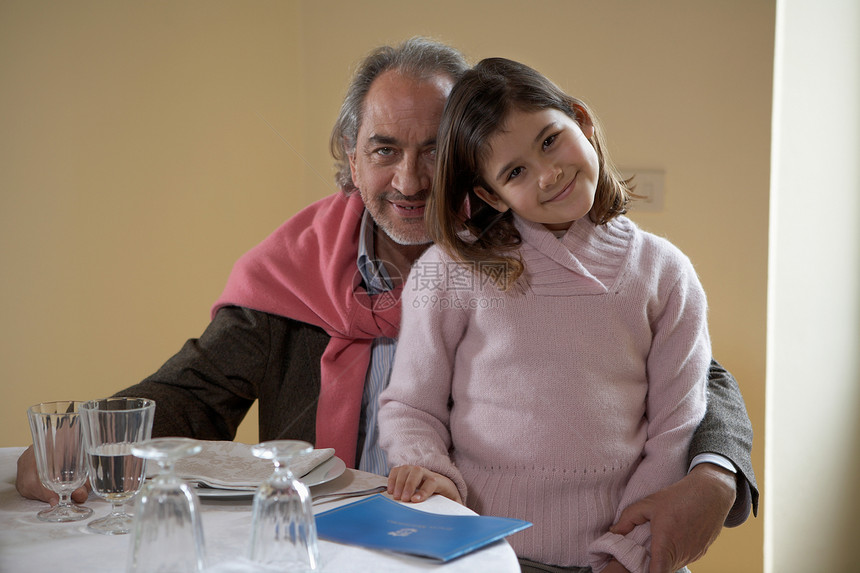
(206, 389)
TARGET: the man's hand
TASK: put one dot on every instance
(614, 567)
(685, 517)
(28, 484)
(414, 483)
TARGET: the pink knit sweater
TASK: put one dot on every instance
(561, 405)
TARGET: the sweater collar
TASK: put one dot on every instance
(594, 252)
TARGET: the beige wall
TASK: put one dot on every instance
(145, 146)
(136, 166)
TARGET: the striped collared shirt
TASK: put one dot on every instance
(376, 280)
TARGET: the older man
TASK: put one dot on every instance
(307, 323)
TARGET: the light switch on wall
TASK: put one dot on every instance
(651, 185)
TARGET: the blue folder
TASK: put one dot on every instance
(379, 523)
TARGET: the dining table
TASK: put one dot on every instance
(28, 545)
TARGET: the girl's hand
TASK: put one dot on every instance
(414, 483)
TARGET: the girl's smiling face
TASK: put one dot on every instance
(542, 166)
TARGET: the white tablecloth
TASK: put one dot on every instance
(28, 545)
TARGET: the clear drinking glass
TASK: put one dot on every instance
(168, 534)
(58, 445)
(283, 529)
(111, 427)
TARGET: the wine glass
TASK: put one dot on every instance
(168, 535)
(111, 427)
(59, 450)
(283, 529)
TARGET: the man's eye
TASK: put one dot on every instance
(384, 151)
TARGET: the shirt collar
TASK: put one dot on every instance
(373, 272)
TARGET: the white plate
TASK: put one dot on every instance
(325, 472)
(330, 469)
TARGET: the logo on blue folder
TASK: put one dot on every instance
(403, 532)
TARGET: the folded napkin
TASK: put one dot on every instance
(231, 465)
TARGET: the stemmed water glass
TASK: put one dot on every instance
(111, 427)
(283, 529)
(58, 446)
(168, 534)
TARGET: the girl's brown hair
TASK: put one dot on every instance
(477, 109)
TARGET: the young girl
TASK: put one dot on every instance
(552, 357)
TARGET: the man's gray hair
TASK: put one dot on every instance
(417, 57)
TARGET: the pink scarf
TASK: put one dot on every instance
(306, 270)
